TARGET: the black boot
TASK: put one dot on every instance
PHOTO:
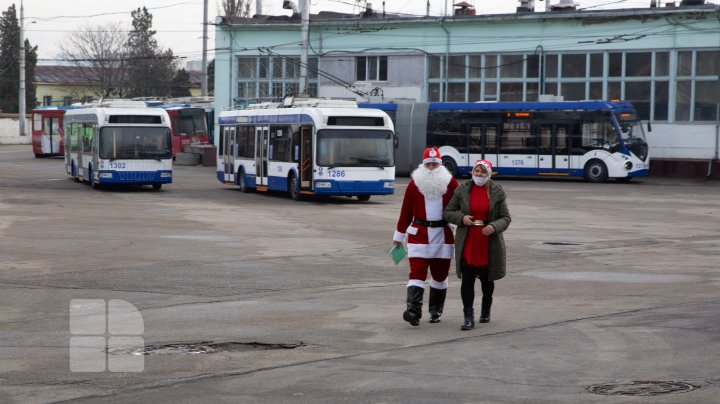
(469, 319)
(485, 309)
(414, 305)
(436, 304)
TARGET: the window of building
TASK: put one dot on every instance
(47, 100)
(638, 64)
(67, 100)
(511, 66)
(708, 63)
(371, 68)
(456, 67)
(271, 77)
(573, 65)
(596, 65)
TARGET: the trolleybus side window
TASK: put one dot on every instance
(280, 143)
(75, 136)
(87, 135)
(444, 129)
(517, 137)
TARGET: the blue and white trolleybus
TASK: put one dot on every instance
(596, 140)
(307, 147)
(118, 143)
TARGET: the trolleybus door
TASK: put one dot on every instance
(229, 151)
(517, 153)
(51, 135)
(553, 147)
(262, 141)
(306, 158)
(483, 143)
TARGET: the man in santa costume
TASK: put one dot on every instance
(430, 240)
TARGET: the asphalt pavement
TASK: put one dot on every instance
(208, 294)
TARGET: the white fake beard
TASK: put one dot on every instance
(431, 183)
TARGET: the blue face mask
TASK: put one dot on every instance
(480, 181)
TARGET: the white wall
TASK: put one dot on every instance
(678, 141)
(9, 130)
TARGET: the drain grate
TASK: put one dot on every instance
(559, 243)
(641, 388)
(210, 347)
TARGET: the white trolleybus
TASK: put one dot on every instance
(595, 140)
(307, 147)
(118, 142)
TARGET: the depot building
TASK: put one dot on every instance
(664, 59)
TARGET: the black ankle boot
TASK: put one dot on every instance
(436, 304)
(469, 319)
(485, 310)
(414, 305)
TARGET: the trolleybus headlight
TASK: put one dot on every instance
(105, 175)
(389, 185)
(163, 175)
(628, 165)
(323, 184)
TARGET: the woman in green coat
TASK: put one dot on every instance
(479, 210)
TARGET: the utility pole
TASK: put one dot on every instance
(21, 95)
(305, 35)
(204, 73)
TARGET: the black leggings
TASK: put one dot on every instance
(467, 287)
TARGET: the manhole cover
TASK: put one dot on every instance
(559, 243)
(641, 388)
(210, 347)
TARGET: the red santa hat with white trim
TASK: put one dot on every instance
(486, 164)
(432, 155)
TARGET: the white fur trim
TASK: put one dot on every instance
(430, 250)
(416, 282)
(438, 285)
(399, 237)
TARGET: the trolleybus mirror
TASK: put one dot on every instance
(649, 127)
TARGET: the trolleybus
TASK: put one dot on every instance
(307, 147)
(119, 143)
(47, 131)
(189, 126)
(596, 140)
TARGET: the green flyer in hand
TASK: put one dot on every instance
(397, 253)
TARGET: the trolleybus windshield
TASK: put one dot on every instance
(355, 148)
(135, 143)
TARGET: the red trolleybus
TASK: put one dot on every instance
(189, 126)
(47, 131)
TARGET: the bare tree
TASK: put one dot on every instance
(236, 8)
(99, 52)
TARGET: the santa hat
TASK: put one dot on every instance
(486, 164)
(432, 155)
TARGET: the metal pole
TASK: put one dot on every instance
(21, 95)
(204, 72)
(305, 34)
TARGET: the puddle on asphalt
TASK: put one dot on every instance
(207, 348)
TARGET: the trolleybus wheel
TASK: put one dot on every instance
(156, 186)
(241, 181)
(450, 164)
(293, 187)
(363, 198)
(595, 171)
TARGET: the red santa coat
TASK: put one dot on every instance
(425, 242)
